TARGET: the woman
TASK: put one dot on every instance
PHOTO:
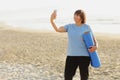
(77, 53)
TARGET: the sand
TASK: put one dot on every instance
(40, 55)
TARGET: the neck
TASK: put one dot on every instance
(78, 24)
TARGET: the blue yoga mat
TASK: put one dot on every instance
(88, 39)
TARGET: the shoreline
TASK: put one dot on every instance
(21, 29)
(107, 35)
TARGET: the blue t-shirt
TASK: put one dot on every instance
(76, 45)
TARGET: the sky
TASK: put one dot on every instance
(64, 7)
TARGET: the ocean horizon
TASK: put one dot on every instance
(106, 25)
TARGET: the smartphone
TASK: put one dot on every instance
(55, 11)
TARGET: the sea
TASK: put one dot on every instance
(41, 21)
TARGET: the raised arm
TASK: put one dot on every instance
(52, 18)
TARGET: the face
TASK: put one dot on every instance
(77, 18)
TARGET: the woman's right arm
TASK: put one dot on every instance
(53, 17)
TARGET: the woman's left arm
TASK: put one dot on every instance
(95, 41)
(93, 48)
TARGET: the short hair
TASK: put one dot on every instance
(82, 15)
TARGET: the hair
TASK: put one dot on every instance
(82, 15)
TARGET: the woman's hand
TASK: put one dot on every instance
(92, 49)
(53, 15)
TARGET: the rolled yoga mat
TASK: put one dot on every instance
(88, 39)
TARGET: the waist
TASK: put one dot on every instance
(78, 58)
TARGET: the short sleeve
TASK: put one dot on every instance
(66, 27)
(89, 29)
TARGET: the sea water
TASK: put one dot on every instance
(37, 20)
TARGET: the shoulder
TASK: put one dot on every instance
(70, 24)
(87, 25)
(67, 26)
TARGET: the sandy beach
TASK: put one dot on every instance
(40, 55)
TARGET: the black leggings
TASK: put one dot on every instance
(72, 62)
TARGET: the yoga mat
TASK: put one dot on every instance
(88, 39)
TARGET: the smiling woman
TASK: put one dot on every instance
(77, 53)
